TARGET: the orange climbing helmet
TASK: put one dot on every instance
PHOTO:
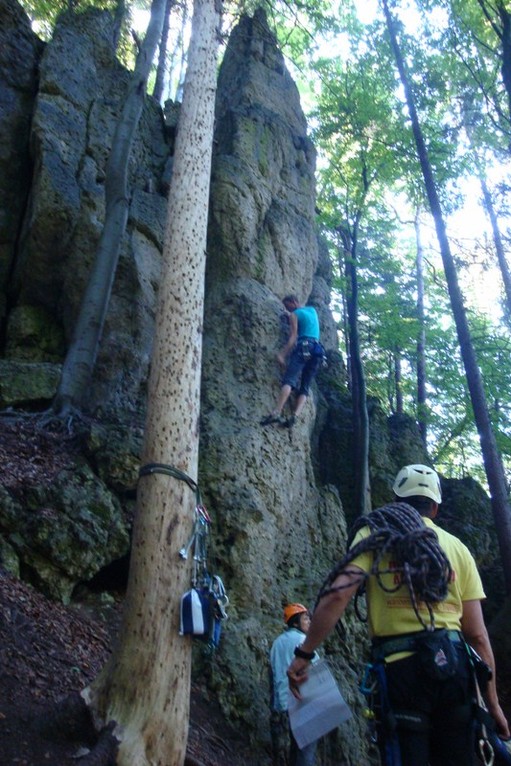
(291, 609)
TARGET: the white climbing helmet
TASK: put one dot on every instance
(418, 480)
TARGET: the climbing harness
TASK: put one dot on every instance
(435, 649)
(203, 607)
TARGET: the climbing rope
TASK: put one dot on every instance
(416, 554)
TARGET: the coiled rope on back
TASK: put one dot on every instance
(417, 557)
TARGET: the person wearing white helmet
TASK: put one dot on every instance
(424, 597)
(285, 748)
(418, 481)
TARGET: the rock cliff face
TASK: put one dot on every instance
(277, 528)
(19, 53)
(279, 499)
(80, 91)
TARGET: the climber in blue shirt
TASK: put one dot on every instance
(305, 354)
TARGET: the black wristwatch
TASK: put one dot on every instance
(299, 652)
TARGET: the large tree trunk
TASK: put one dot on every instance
(421, 337)
(145, 687)
(491, 457)
(81, 356)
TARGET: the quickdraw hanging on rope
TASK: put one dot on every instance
(199, 540)
(203, 607)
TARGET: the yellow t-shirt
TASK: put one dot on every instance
(392, 614)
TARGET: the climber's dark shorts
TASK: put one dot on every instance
(300, 371)
(434, 718)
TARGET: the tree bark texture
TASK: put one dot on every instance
(145, 687)
(81, 356)
(491, 457)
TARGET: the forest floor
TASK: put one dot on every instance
(49, 651)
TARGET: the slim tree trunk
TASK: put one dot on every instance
(81, 356)
(344, 301)
(358, 385)
(146, 685)
(161, 70)
(397, 381)
(502, 28)
(499, 245)
(505, 69)
(421, 337)
(119, 16)
(177, 60)
(491, 457)
(490, 211)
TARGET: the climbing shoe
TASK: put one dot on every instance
(288, 422)
(269, 419)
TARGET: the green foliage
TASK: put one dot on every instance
(44, 13)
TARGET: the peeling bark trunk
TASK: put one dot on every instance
(145, 687)
(491, 457)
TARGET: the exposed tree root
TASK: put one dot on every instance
(71, 423)
(71, 720)
(104, 751)
(190, 760)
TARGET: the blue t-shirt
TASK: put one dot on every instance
(308, 322)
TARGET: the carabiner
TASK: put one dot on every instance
(364, 686)
(486, 752)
